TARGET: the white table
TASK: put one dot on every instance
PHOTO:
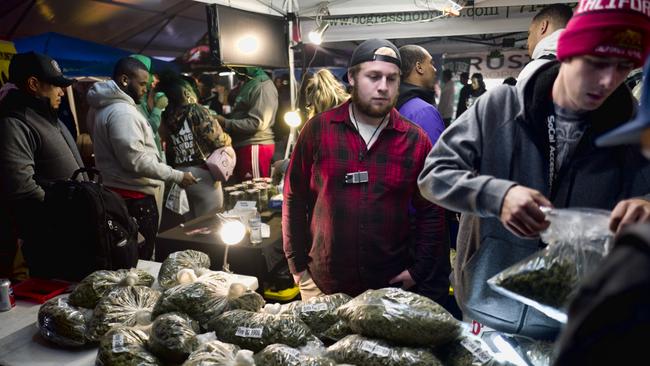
(21, 344)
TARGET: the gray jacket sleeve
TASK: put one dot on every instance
(264, 103)
(17, 161)
(133, 155)
(452, 177)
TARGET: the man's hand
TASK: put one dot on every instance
(188, 180)
(628, 212)
(221, 119)
(405, 278)
(520, 212)
(297, 277)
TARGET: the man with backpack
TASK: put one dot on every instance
(35, 149)
(125, 150)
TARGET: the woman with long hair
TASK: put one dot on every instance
(191, 133)
(322, 92)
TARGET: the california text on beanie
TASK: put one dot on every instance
(610, 28)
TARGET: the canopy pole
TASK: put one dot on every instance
(292, 78)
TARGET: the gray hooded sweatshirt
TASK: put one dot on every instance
(502, 141)
(125, 150)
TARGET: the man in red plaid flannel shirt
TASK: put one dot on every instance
(348, 187)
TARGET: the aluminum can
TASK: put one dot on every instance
(7, 300)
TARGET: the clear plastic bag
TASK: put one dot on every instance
(254, 331)
(177, 200)
(205, 299)
(319, 312)
(578, 240)
(63, 324)
(173, 337)
(283, 355)
(99, 283)
(359, 350)
(400, 316)
(186, 259)
(122, 346)
(336, 332)
(126, 306)
(466, 350)
(213, 353)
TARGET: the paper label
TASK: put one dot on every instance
(118, 343)
(243, 205)
(375, 349)
(474, 348)
(294, 353)
(312, 308)
(249, 332)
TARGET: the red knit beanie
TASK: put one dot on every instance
(611, 28)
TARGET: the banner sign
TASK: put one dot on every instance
(472, 20)
(492, 66)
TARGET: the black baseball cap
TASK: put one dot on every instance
(43, 67)
(366, 52)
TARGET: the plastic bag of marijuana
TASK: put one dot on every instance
(283, 355)
(577, 239)
(213, 353)
(319, 313)
(204, 300)
(466, 350)
(336, 332)
(186, 259)
(173, 337)
(63, 324)
(126, 306)
(125, 346)
(255, 331)
(99, 283)
(359, 350)
(536, 352)
(400, 316)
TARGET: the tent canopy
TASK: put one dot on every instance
(78, 57)
(167, 28)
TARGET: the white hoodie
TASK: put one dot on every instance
(125, 151)
(546, 46)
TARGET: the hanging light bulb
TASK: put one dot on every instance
(292, 119)
(316, 36)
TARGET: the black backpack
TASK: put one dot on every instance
(89, 228)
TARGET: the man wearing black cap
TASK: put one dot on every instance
(348, 187)
(35, 147)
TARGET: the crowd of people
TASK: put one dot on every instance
(381, 170)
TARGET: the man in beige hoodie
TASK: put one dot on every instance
(125, 150)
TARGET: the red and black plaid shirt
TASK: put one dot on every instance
(356, 236)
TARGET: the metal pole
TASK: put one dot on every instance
(292, 78)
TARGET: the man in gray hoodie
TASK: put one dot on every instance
(519, 148)
(125, 150)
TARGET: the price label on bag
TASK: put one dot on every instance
(475, 349)
(249, 332)
(118, 343)
(312, 308)
(374, 348)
